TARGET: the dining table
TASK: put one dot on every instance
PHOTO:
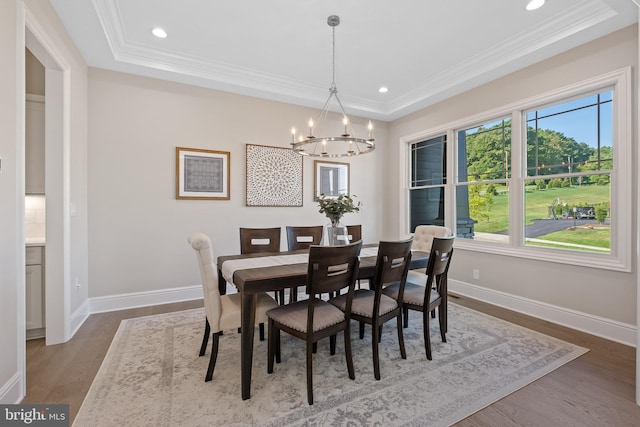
(274, 271)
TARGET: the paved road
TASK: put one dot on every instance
(540, 227)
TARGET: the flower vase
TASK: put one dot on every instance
(337, 234)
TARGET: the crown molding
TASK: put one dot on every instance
(590, 13)
(482, 67)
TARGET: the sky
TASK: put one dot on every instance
(582, 124)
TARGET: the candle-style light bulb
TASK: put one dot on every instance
(345, 122)
(293, 135)
(310, 127)
(370, 127)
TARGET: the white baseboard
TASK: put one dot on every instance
(605, 328)
(78, 317)
(144, 299)
(11, 391)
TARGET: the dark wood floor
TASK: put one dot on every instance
(596, 389)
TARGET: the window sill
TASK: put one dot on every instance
(561, 256)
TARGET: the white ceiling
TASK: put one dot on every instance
(423, 50)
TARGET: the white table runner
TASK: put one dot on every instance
(229, 267)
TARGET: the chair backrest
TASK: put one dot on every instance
(354, 233)
(201, 243)
(255, 240)
(424, 234)
(438, 265)
(392, 265)
(303, 237)
(332, 268)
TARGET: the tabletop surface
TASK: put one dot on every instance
(277, 277)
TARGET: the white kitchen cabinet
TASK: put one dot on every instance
(35, 320)
(34, 145)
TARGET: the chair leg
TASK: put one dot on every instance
(278, 359)
(332, 345)
(361, 330)
(293, 294)
(271, 347)
(376, 356)
(427, 338)
(347, 352)
(433, 314)
(315, 347)
(442, 319)
(380, 334)
(310, 372)
(403, 353)
(406, 316)
(261, 326)
(214, 357)
(205, 338)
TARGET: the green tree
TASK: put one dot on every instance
(548, 151)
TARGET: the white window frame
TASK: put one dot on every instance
(619, 259)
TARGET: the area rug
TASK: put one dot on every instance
(152, 375)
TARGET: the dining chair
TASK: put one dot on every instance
(299, 237)
(433, 293)
(371, 306)
(424, 234)
(354, 233)
(258, 240)
(222, 312)
(422, 240)
(330, 269)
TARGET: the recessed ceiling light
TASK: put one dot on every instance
(383, 89)
(159, 32)
(534, 4)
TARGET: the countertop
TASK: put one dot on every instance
(34, 241)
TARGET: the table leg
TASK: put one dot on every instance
(246, 352)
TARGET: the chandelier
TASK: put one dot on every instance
(346, 144)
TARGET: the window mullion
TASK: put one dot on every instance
(516, 186)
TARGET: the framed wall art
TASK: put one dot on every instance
(202, 174)
(274, 176)
(330, 178)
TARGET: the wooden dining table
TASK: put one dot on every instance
(289, 270)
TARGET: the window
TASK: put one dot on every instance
(482, 211)
(544, 178)
(569, 160)
(428, 177)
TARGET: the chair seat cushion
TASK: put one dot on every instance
(230, 310)
(363, 303)
(295, 315)
(413, 294)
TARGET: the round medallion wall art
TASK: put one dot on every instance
(274, 176)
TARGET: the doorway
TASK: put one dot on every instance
(56, 252)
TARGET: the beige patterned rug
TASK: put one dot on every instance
(152, 375)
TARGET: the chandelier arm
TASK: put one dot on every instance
(350, 126)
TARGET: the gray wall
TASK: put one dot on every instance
(138, 230)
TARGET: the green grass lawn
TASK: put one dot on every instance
(537, 204)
